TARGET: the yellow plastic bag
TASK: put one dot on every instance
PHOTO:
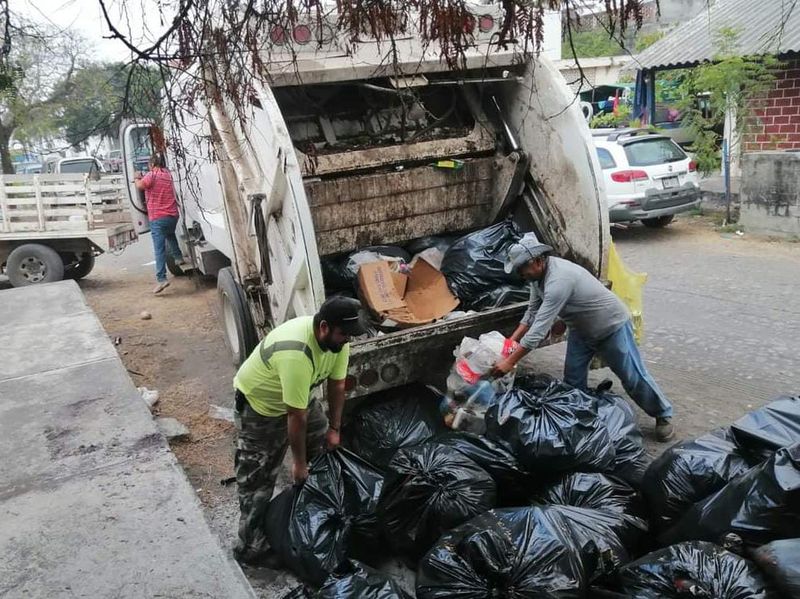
(628, 286)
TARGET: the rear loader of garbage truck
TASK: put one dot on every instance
(340, 154)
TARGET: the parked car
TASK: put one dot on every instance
(76, 164)
(648, 177)
(114, 161)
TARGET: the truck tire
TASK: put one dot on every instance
(237, 322)
(79, 269)
(659, 222)
(34, 263)
(174, 268)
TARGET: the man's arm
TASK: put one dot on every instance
(296, 423)
(143, 182)
(336, 392)
(555, 296)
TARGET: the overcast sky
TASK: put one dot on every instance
(138, 18)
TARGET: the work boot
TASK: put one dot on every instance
(160, 287)
(262, 559)
(664, 429)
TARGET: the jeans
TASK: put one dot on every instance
(620, 352)
(162, 230)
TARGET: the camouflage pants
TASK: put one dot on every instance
(260, 449)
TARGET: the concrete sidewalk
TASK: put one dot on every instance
(92, 501)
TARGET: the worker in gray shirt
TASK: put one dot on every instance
(598, 323)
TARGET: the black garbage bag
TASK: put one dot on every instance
(759, 506)
(430, 489)
(474, 265)
(519, 553)
(501, 296)
(780, 563)
(693, 569)
(355, 580)
(630, 460)
(513, 483)
(340, 273)
(767, 429)
(440, 242)
(595, 491)
(554, 432)
(688, 472)
(400, 417)
(315, 526)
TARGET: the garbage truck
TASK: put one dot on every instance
(341, 149)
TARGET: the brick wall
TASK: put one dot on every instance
(775, 124)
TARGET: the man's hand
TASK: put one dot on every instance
(299, 472)
(332, 439)
(503, 367)
(137, 175)
(558, 329)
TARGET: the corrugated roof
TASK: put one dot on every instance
(763, 26)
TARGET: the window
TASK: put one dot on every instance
(648, 152)
(606, 160)
(78, 166)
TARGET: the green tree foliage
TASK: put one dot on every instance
(99, 96)
(731, 83)
(645, 40)
(589, 44)
(621, 119)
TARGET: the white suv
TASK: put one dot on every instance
(648, 177)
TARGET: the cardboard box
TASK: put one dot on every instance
(417, 298)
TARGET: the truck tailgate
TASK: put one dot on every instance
(423, 353)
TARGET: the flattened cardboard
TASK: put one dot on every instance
(418, 298)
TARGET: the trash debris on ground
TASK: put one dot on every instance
(314, 527)
(470, 389)
(149, 396)
(779, 561)
(513, 483)
(172, 429)
(429, 489)
(441, 243)
(555, 431)
(630, 459)
(358, 581)
(769, 428)
(692, 569)
(401, 417)
(407, 299)
(474, 267)
(688, 472)
(220, 413)
(530, 549)
(759, 506)
(145, 315)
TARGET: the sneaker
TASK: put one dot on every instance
(664, 429)
(160, 287)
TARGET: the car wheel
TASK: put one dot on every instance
(80, 268)
(33, 263)
(658, 222)
(237, 322)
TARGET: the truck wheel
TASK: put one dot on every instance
(658, 222)
(174, 268)
(79, 269)
(33, 263)
(237, 322)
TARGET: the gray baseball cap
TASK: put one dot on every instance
(526, 249)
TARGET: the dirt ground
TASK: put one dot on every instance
(722, 336)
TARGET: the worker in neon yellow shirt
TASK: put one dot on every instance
(274, 410)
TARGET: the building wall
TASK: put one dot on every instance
(775, 124)
(770, 193)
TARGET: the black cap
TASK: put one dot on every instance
(344, 313)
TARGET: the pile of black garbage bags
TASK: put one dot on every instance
(473, 265)
(557, 500)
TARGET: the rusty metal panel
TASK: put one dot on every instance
(423, 353)
(352, 212)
